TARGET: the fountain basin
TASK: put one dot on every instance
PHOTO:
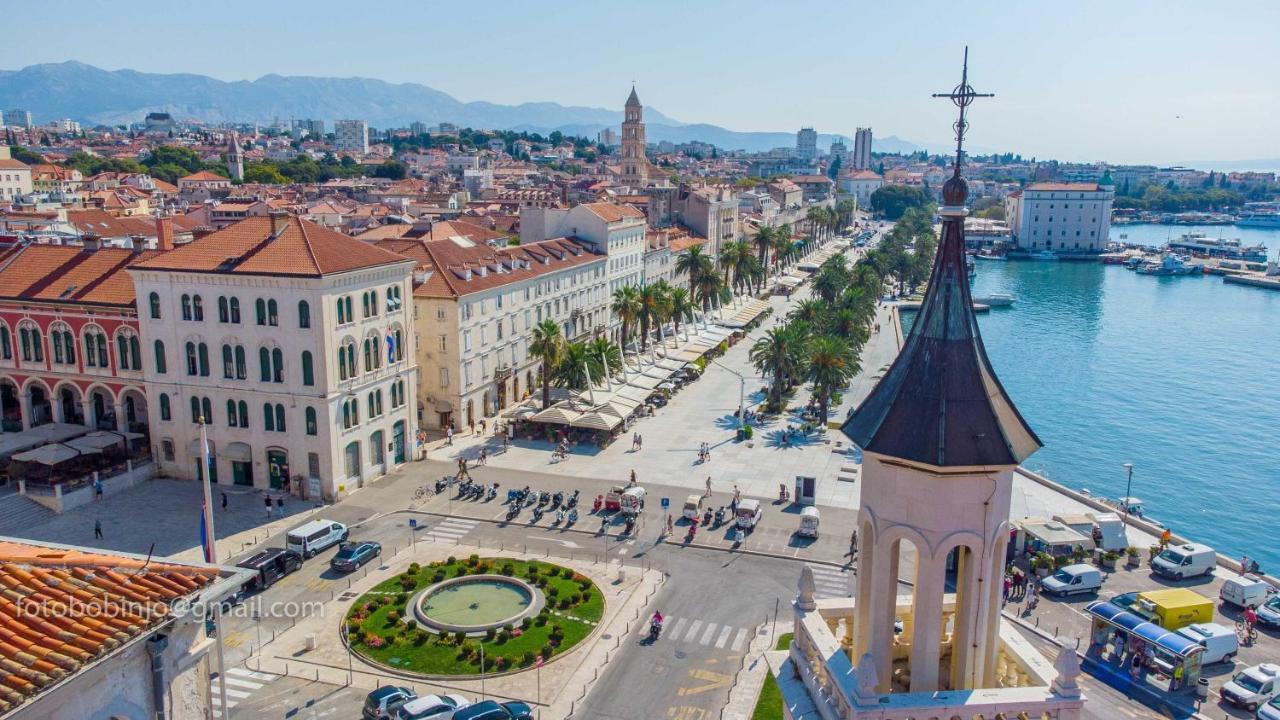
(474, 604)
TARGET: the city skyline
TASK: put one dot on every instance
(1124, 97)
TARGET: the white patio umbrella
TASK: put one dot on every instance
(51, 454)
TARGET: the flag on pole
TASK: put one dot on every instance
(204, 536)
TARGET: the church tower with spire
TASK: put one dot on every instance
(635, 164)
(235, 158)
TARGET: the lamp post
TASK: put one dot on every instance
(1128, 487)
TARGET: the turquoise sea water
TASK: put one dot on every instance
(1179, 376)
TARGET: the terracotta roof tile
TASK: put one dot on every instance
(69, 274)
(448, 260)
(1073, 187)
(301, 248)
(610, 212)
(203, 176)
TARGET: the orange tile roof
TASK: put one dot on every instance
(449, 261)
(613, 213)
(204, 176)
(248, 247)
(11, 164)
(104, 224)
(1073, 187)
(62, 608)
(69, 274)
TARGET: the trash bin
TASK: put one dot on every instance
(1202, 689)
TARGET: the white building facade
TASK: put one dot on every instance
(1065, 218)
(351, 136)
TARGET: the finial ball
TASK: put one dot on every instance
(955, 191)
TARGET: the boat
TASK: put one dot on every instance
(1169, 265)
(1113, 258)
(1260, 215)
(980, 256)
(1043, 255)
(1197, 243)
(996, 299)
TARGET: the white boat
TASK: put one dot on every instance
(1043, 255)
(996, 299)
(980, 256)
(1169, 265)
(1197, 243)
(1260, 215)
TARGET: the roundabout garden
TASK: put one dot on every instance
(445, 618)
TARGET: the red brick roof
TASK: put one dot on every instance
(249, 247)
(69, 274)
(62, 608)
(449, 261)
(1059, 187)
(610, 212)
(204, 176)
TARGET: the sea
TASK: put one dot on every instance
(1178, 375)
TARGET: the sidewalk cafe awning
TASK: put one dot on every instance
(790, 281)
(1140, 627)
(557, 415)
(51, 454)
(85, 446)
(39, 435)
(597, 421)
(101, 439)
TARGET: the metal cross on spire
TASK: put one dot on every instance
(963, 96)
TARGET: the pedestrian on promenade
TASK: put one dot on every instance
(635, 441)
(1008, 585)
(97, 489)
(1244, 563)
(484, 456)
(708, 493)
(472, 425)
(267, 501)
(280, 506)
(853, 545)
(639, 442)
(97, 529)
(706, 452)
(1032, 592)
(1165, 537)
(448, 435)
(737, 494)
(633, 477)
(483, 424)
(670, 524)
(224, 502)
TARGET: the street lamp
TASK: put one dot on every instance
(1128, 487)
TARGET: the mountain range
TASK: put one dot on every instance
(116, 97)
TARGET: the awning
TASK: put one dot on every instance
(443, 406)
(83, 447)
(238, 451)
(597, 421)
(1139, 626)
(557, 415)
(51, 454)
(193, 447)
(99, 439)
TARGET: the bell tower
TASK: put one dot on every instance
(235, 158)
(635, 165)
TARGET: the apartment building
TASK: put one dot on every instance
(1061, 217)
(614, 230)
(15, 177)
(351, 136)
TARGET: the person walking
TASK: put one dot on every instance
(97, 489)
(280, 506)
(1008, 585)
(224, 502)
(448, 435)
(853, 545)
(484, 456)
(267, 501)
(708, 492)
(97, 529)
(633, 477)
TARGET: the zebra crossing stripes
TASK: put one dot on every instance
(448, 530)
(241, 684)
(705, 633)
(830, 582)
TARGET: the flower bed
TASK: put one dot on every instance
(380, 627)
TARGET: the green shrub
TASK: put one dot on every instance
(564, 603)
(473, 559)
(547, 650)
(508, 627)
(402, 598)
(574, 598)
(541, 619)
(452, 560)
(414, 568)
(438, 576)
(525, 623)
(528, 658)
(393, 616)
(490, 634)
(586, 594)
(553, 591)
(460, 637)
(384, 600)
(462, 570)
(508, 569)
(504, 636)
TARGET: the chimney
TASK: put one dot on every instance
(279, 221)
(138, 243)
(164, 233)
(91, 241)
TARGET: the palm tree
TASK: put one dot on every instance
(754, 273)
(727, 261)
(845, 324)
(695, 264)
(809, 311)
(779, 355)
(832, 279)
(707, 287)
(682, 306)
(626, 307)
(606, 355)
(831, 363)
(763, 241)
(577, 368)
(548, 346)
(653, 301)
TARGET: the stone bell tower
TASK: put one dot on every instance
(940, 439)
(635, 165)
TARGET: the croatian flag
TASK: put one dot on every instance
(391, 348)
(204, 536)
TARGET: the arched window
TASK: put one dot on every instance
(399, 346)
(95, 349)
(312, 428)
(122, 352)
(280, 418)
(242, 371)
(235, 310)
(264, 364)
(165, 412)
(207, 407)
(370, 356)
(6, 343)
(304, 314)
(351, 315)
(260, 310)
(277, 365)
(154, 301)
(364, 304)
(232, 420)
(273, 313)
(191, 358)
(160, 360)
(64, 353)
(228, 363)
(32, 344)
(391, 300)
(243, 408)
(197, 308)
(373, 413)
(268, 418)
(342, 313)
(186, 307)
(308, 372)
(195, 409)
(373, 303)
(135, 352)
(204, 359)
(69, 346)
(224, 310)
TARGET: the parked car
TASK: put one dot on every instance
(269, 566)
(1220, 642)
(432, 707)
(351, 556)
(383, 702)
(1184, 561)
(1270, 711)
(1244, 591)
(1073, 580)
(1269, 612)
(311, 538)
(492, 710)
(1253, 687)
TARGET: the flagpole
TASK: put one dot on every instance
(211, 557)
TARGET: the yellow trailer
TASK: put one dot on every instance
(1174, 608)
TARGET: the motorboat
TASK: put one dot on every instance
(1169, 265)
(982, 256)
(1043, 255)
(996, 299)
(1198, 243)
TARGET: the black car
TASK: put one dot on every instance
(269, 566)
(382, 703)
(492, 710)
(352, 555)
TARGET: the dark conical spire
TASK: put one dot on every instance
(633, 100)
(940, 403)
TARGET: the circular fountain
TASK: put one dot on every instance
(474, 604)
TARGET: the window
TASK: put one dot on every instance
(186, 307)
(268, 417)
(154, 300)
(201, 408)
(260, 306)
(264, 364)
(277, 365)
(273, 313)
(313, 464)
(444, 343)
(242, 408)
(342, 313)
(312, 429)
(399, 346)
(165, 411)
(304, 314)
(224, 310)
(203, 351)
(440, 313)
(371, 356)
(308, 373)
(228, 363)
(122, 352)
(167, 448)
(197, 308)
(444, 377)
(160, 361)
(91, 353)
(279, 409)
(391, 300)
(232, 418)
(364, 304)
(350, 413)
(6, 343)
(235, 311)
(191, 357)
(135, 352)
(375, 404)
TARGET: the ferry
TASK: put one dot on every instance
(1169, 265)
(1197, 243)
(1260, 215)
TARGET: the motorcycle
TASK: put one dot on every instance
(720, 516)
(443, 483)
(513, 496)
(706, 517)
(557, 499)
(537, 513)
(559, 517)
(655, 629)
(543, 498)
(513, 511)
(573, 517)
(631, 523)
(493, 492)
(573, 500)
(693, 530)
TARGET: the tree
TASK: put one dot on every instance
(700, 268)
(626, 307)
(681, 305)
(264, 174)
(834, 170)
(548, 346)
(391, 170)
(763, 241)
(892, 201)
(831, 280)
(653, 309)
(832, 362)
(23, 155)
(606, 354)
(577, 368)
(810, 311)
(778, 355)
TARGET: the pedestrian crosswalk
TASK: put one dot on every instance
(830, 582)
(241, 684)
(448, 530)
(705, 633)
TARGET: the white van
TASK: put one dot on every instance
(1073, 580)
(1244, 591)
(1184, 561)
(1219, 641)
(309, 539)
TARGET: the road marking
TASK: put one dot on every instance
(693, 631)
(234, 639)
(707, 634)
(245, 672)
(237, 694)
(317, 584)
(567, 543)
(676, 626)
(711, 680)
(686, 712)
(738, 640)
(724, 637)
(242, 683)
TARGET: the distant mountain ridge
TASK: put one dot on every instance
(114, 97)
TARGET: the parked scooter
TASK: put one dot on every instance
(599, 502)
(573, 500)
(513, 510)
(720, 516)
(573, 517)
(537, 513)
(706, 517)
(559, 516)
(557, 499)
(493, 492)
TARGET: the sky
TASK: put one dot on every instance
(1125, 81)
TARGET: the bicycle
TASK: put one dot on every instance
(423, 492)
(1248, 634)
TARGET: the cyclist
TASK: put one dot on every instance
(1250, 619)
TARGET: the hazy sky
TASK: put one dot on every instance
(1119, 80)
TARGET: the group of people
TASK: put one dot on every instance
(637, 442)
(704, 453)
(1017, 586)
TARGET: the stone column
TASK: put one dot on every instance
(24, 407)
(883, 608)
(987, 634)
(968, 588)
(867, 553)
(926, 636)
(122, 423)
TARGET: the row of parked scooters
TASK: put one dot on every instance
(565, 508)
(469, 489)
